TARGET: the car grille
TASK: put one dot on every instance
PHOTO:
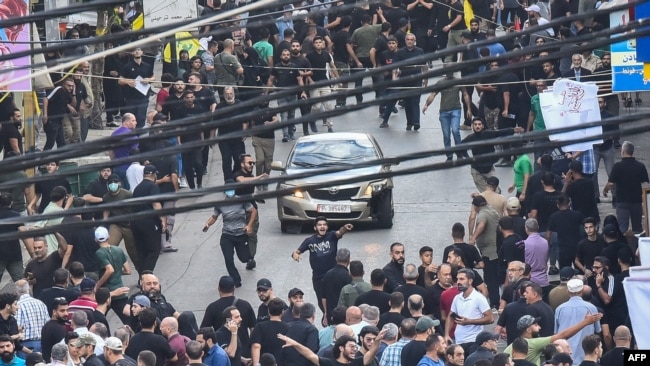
(329, 195)
(351, 215)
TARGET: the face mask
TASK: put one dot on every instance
(113, 187)
(230, 193)
(462, 288)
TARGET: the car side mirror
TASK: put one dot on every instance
(278, 165)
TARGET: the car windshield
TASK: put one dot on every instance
(319, 154)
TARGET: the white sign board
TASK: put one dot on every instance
(164, 12)
(572, 104)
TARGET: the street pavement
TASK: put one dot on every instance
(426, 206)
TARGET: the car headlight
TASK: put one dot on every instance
(374, 188)
(295, 192)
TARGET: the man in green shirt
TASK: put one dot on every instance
(523, 168)
(535, 117)
(113, 265)
(530, 328)
(264, 48)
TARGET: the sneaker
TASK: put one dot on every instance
(182, 182)
(330, 129)
(395, 110)
(449, 158)
(324, 123)
(383, 125)
(416, 127)
(170, 249)
(251, 264)
(553, 270)
(112, 124)
(409, 127)
(285, 139)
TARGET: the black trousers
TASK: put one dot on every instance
(147, 243)
(319, 289)
(54, 134)
(193, 163)
(230, 151)
(491, 280)
(231, 244)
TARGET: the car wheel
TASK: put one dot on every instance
(385, 210)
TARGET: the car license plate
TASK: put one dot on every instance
(334, 208)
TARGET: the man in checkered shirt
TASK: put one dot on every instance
(31, 316)
(392, 355)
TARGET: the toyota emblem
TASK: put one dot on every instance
(333, 190)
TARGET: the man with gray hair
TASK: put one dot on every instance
(536, 253)
(124, 334)
(390, 337)
(628, 176)
(336, 278)
(410, 287)
(31, 316)
(59, 355)
(392, 355)
(194, 352)
(370, 315)
(231, 149)
(80, 326)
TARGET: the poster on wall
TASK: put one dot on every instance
(164, 12)
(14, 39)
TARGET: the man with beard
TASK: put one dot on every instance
(192, 159)
(344, 351)
(151, 289)
(8, 353)
(213, 354)
(487, 348)
(469, 310)
(511, 249)
(304, 70)
(10, 136)
(95, 190)
(136, 72)
(435, 351)
(113, 355)
(86, 344)
(530, 332)
(8, 323)
(147, 230)
(266, 295)
(510, 315)
(319, 60)
(515, 276)
(233, 147)
(150, 341)
(54, 330)
(394, 270)
(411, 103)
(175, 99)
(286, 75)
(481, 171)
(322, 252)
(39, 270)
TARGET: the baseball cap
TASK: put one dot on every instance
(113, 343)
(575, 285)
(264, 284)
(425, 323)
(567, 273)
(610, 230)
(142, 301)
(534, 8)
(114, 178)
(561, 358)
(226, 283)
(150, 169)
(101, 234)
(84, 340)
(486, 336)
(493, 181)
(87, 285)
(513, 203)
(295, 291)
(526, 321)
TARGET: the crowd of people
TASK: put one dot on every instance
(409, 313)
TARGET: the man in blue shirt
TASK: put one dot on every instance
(213, 354)
(322, 252)
(7, 352)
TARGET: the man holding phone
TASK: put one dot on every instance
(469, 310)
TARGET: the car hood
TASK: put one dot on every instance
(331, 176)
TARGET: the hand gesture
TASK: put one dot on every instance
(348, 227)
(511, 188)
(600, 279)
(296, 256)
(288, 342)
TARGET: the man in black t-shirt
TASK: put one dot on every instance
(82, 241)
(387, 58)
(146, 231)
(232, 345)
(284, 75)
(44, 188)
(264, 336)
(567, 224)
(10, 136)
(150, 341)
(319, 60)
(39, 270)
(192, 159)
(11, 258)
(589, 247)
(411, 103)
(59, 102)
(95, 190)
(134, 74)
(322, 252)
(232, 148)
(245, 174)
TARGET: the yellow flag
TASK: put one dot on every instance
(191, 45)
(469, 12)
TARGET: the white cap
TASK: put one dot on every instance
(575, 285)
(101, 234)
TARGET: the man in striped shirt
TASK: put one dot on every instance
(31, 316)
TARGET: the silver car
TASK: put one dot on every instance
(361, 201)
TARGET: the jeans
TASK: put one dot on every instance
(231, 244)
(491, 280)
(147, 242)
(139, 108)
(54, 134)
(412, 110)
(230, 151)
(166, 239)
(626, 212)
(450, 124)
(193, 163)
(608, 158)
(325, 105)
(14, 267)
(287, 115)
